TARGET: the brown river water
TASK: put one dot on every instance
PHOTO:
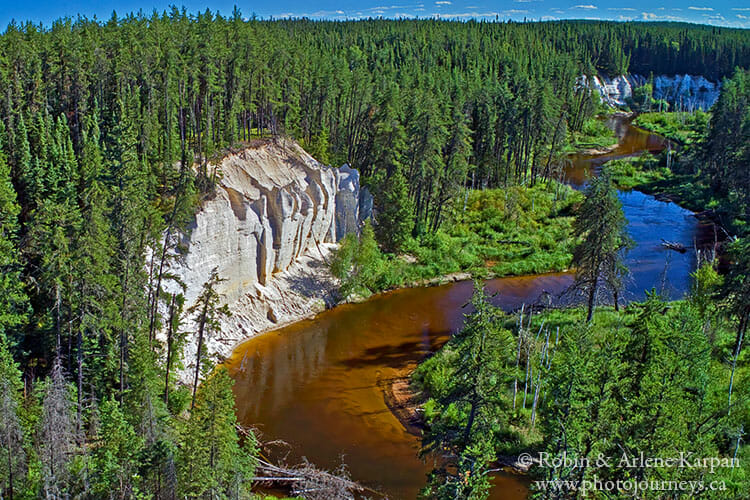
(316, 384)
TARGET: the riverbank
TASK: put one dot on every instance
(319, 384)
(515, 231)
(680, 127)
(595, 137)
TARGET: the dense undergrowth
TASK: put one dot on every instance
(678, 174)
(681, 127)
(635, 380)
(635, 172)
(494, 232)
(594, 134)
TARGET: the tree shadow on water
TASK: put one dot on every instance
(391, 355)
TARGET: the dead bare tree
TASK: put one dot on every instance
(13, 463)
(309, 482)
(57, 435)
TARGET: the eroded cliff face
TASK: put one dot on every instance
(276, 215)
(682, 92)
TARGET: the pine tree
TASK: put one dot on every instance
(208, 315)
(602, 226)
(58, 436)
(473, 389)
(213, 461)
(394, 211)
(13, 300)
(116, 455)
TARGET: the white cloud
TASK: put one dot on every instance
(740, 16)
(325, 13)
(741, 8)
(629, 9)
(443, 2)
(478, 15)
(586, 7)
(650, 16)
(700, 8)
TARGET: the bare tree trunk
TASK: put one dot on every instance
(536, 397)
(200, 348)
(518, 360)
(592, 298)
(170, 332)
(738, 348)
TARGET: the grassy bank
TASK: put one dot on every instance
(683, 128)
(495, 232)
(514, 231)
(593, 135)
(649, 175)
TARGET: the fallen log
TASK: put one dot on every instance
(671, 245)
(309, 481)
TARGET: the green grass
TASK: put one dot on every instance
(648, 175)
(593, 135)
(514, 231)
(634, 173)
(499, 232)
(687, 190)
(679, 127)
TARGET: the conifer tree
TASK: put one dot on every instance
(58, 436)
(602, 226)
(115, 459)
(208, 314)
(13, 300)
(473, 389)
(214, 463)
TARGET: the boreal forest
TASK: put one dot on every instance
(461, 131)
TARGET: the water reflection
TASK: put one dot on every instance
(316, 384)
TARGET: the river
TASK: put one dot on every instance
(317, 384)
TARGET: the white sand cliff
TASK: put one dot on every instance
(276, 216)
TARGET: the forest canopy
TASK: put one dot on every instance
(106, 133)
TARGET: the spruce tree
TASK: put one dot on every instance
(214, 463)
(602, 226)
(13, 300)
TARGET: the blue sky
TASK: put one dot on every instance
(718, 12)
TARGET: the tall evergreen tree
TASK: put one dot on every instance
(602, 226)
(214, 461)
